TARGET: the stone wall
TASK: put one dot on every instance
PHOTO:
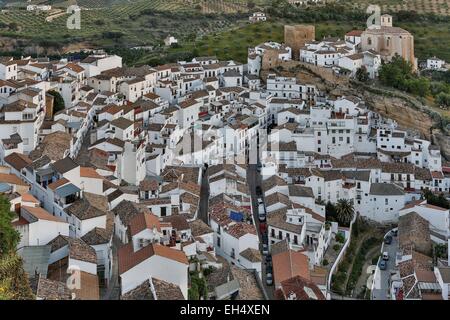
(295, 37)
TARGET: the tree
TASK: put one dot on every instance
(330, 212)
(398, 73)
(9, 237)
(345, 211)
(14, 284)
(58, 102)
(362, 74)
(439, 200)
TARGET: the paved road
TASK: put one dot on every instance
(204, 199)
(253, 180)
(113, 290)
(382, 287)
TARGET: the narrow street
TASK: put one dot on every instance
(204, 197)
(381, 290)
(112, 292)
(254, 179)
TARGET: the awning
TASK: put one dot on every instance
(67, 190)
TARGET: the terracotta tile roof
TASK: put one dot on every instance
(11, 179)
(251, 255)
(27, 197)
(18, 160)
(90, 206)
(277, 219)
(89, 172)
(272, 182)
(437, 175)
(241, 229)
(58, 183)
(74, 67)
(122, 123)
(41, 214)
(199, 228)
(52, 290)
(166, 291)
(128, 259)
(144, 221)
(141, 292)
(289, 264)
(178, 222)
(354, 33)
(149, 185)
(299, 288)
(127, 210)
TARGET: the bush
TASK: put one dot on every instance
(375, 260)
(336, 247)
(58, 102)
(325, 262)
(340, 237)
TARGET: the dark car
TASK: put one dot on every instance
(265, 238)
(268, 258)
(258, 190)
(383, 265)
(388, 239)
(269, 269)
(394, 232)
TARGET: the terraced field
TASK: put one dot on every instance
(139, 22)
(440, 7)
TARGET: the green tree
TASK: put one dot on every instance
(330, 212)
(58, 103)
(362, 74)
(14, 284)
(345, 211)
(9, 237)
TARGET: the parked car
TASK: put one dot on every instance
(262, 227)
(394, 232)
(269, 279)
(385, 256)
(265, 249)
(265, 238)
(269, 269)
(262, 217)
(268, 258)
(260, 202)
(383, 265)
(261, 212)
(258, 190)
(388, 239)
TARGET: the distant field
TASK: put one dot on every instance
(140, 22)
(440, 7)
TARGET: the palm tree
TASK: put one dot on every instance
(345, 211)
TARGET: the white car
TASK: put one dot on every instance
(260, 201)
(385, 256)
(265, 249)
